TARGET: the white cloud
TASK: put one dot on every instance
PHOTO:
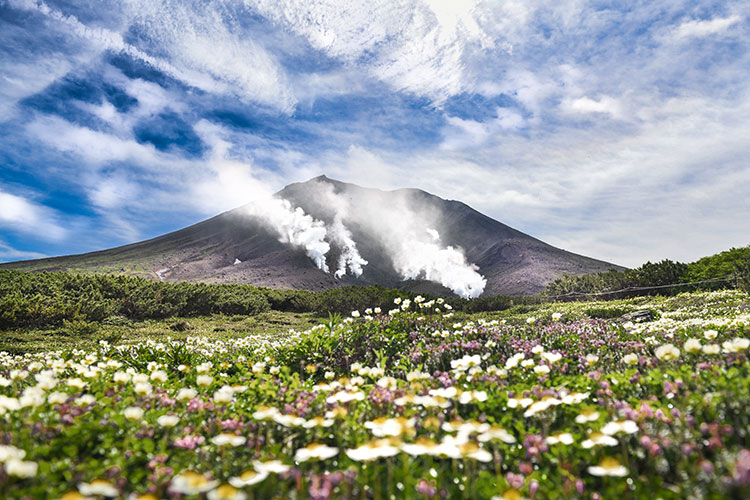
(417, 47)
(23, 79)
(201, 50)
(672, 187)
(696, 28)
(18, 213)
(605, 105)
(8, 253)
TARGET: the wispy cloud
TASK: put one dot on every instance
(18, 213)
(8, 253)
(616, 132)
(706, 27)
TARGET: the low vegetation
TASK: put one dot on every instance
(419, 401)
(728, 269)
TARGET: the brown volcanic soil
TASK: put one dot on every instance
(512, 262)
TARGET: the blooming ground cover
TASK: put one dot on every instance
(408, 403)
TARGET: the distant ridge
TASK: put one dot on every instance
(235, 248)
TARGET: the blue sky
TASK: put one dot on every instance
(617, 130)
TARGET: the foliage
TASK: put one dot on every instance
(614, 284)
(40, 299)
(412, 403)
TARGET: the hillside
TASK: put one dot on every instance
(235, 247)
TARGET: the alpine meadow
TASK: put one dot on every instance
(374, 250)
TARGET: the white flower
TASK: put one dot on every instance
(121, 377)
(575, 397)
(608, 467)
(345, 397)
(598, 439)
(711, 349)
(736, 345)
(8, 452)
(692, 345)
(496, 432)
(265, 413)
(85, 400)
(20, 468)
(318, 422)
(626, 426)
(192, 483)
(466, 362)
(204, 367)
(228, 440)
(541, 405)
(561, 438)
(158, 376)
(541, 370)
(530, 320)
(519, 401)
(551, 357)
(630, 359)
(556, 316)
(587, 416)
(667, 352)
(57, 398)
(710, 334)
(224, 395)
(272, 466)
(591, 359)
(76, 383)
(355, 314)
(387, 427)
(397, 300)
(227, 492)
(133, 413)
(467, 397)
(98, 487)
(373, 450)
(315, 451)
(248, 478)
(537, 349)
(186, 394)
(473, 451)
(142, 388)
(168, 420)
(288, 420)
(444, 392)
(204, 380)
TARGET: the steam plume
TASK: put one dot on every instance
(295, 227)
(350, 257)
(445, 265)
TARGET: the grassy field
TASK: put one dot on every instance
(271, 324)
(642, 398)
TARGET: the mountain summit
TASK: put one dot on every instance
(325, 233)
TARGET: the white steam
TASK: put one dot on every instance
(350, 258)
(445, 265)
(295, 228)
(401, 223)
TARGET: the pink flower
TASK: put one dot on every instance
(189, 442)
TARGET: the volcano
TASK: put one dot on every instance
(235, 247)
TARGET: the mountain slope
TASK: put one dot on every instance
(237, 247)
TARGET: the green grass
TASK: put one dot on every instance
(272, 324)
